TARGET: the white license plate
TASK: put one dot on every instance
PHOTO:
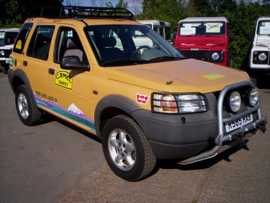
(239, 123)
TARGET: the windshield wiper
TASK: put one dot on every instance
(164, 58)
(122, 62)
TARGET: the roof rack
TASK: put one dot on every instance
(95, 12)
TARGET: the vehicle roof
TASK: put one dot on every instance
(76, 21)
(9, 30)
(206, 19)
(264, 18)
(156, 22)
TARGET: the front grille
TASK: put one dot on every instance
(202, 55)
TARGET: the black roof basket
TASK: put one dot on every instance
(95, 12)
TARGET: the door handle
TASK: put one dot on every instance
(51, 71)
(25, 63)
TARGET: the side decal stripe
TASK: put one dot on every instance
(57, 109)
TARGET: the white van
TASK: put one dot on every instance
(259, 56)
(7, 39)
(161, 27)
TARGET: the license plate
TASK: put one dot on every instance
(239, 123)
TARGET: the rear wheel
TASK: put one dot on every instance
(26, 107)
(126, 149)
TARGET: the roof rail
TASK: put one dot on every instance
(95, 12)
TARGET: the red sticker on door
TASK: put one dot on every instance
(142, 98)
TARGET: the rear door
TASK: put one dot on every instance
(37, 63)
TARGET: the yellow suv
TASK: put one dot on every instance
(117, 79)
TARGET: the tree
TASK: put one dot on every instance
(167, 10)
(197, 7)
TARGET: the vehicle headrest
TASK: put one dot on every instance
(71, 44)
(109, 42)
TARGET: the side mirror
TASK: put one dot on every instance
(73, 62)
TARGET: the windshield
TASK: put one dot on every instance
(264, 27)
(116, 45)
(7, 38)
(202, 28)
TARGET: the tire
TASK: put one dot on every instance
(141, 162)
(26, 107)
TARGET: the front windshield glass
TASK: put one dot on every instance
(117, 45)
(202, 28)
(264, 27)
(7, 38)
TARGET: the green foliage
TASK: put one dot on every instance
(16, 11)
(242, 19)
(167, 10)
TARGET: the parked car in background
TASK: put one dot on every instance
(7, 39)
(204, 38)
(161, 27)
(259, 56)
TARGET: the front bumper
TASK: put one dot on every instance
(205, 55)
(195, 137)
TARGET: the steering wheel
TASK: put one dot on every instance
(141, 48)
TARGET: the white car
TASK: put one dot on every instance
(260, 52)
(7, 39)
(161, 27)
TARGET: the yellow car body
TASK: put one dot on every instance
(89, 98)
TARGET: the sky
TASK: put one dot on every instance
(133, 5)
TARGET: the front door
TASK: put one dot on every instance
(73, 86)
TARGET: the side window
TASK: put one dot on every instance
(40, 43)
(69, 44)
(22, 37)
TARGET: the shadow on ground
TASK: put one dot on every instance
(164, 164)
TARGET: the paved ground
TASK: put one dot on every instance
(54, 162)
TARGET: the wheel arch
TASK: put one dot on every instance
(17, 78)
(112, 106)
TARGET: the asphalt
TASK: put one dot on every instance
(54, 162)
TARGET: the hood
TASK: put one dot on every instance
(187, 75)
(263, 41)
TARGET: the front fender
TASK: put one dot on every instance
(114, 101)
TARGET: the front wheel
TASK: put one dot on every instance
(126, 149)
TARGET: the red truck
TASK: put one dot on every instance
(204, 38)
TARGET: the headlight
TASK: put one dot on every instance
(184, 103)
(215, 56)
(2, 53)
(253, 97)
(262, 57)
(235, 101)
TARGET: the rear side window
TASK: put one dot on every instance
(22, 37)
(40, 43)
